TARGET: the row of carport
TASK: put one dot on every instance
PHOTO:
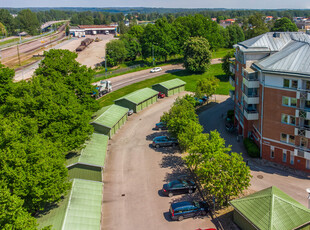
(81, 209)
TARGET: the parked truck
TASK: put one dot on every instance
(103, 87)
(84, 44)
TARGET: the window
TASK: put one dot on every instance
(237, 66)
(307, 105)
(289, 101)
(284, 156)
(271, 151)
(307, 164)
(303, 142)
(290, 139)
(292, 158)
(308, 85)
(288, 119)
(307, 123)
(289, 83)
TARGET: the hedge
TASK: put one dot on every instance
(251, 148)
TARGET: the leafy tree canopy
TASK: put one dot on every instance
(116, 52)
(284, 25)
(28, 21)
(207, 86)
(197, 55)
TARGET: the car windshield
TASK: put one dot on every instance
(172, 183)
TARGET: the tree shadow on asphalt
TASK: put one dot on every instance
(151, 136)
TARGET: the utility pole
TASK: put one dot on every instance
(18, 54)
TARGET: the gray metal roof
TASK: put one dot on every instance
(272, 43)
(294, 58)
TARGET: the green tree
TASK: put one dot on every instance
(132, 46)
(116, 52)
(235, 35)
(136, 31)
(207, 87)
(6, 81)
(284, 25)
(3, 31)
(122, 28)
(255, 26)
(7, 20)
(197, 55)
(221, 173)
(226, 63)
(28, 21)
(12, 213)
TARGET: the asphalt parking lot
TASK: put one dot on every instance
(135, 173)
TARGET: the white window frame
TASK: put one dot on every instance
(307, 164)
(289, 101)
(272, 152)
(288, 119)
(290, 83)
(287, 138)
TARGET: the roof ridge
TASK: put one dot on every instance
(271, 209)
(104, 112)
(299, 206)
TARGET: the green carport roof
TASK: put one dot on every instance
(171, 84)
(140, 95)
(78, 211)
(272, 209)
(110, 115)
(94, 152)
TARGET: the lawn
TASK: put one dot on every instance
(9, 41)
(221, 52)
(189, 78)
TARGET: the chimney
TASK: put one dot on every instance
(308, 191)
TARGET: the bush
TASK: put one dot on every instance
(230, 114)
(251, 148)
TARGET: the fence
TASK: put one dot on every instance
(118, 71)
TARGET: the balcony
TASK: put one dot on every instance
(302, 113)
(252, 83)
(300, 152)
(303, 94)
(250, 79)
(251, 99)
(232, 68)
(232, 81)
(302, 131)
(232, 94)
(250, 114)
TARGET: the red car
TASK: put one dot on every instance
(161, 95)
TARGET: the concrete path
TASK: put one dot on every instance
(264, 173)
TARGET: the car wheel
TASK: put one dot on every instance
(190, 191)
(180, 218)
(157, 146)
(170, 194)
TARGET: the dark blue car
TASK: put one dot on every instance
(187, 209)
(179, 187)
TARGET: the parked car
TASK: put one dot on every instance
(130, 112)
(187, 209)
(161, 95)
(156, 69)
(161, 126)
(179, 187)
(199, 101)
(205, 98)
(163, 141)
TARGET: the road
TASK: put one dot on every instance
(130, 78)
(135, 173)
(264, 173)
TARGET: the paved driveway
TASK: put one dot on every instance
(264, 175)
(134, 175)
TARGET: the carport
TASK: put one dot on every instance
(138, 100)
(170, 87)
(270, 209)
(80, 209)
(87, 163)
(109, 119)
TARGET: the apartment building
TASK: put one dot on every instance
(272, 96)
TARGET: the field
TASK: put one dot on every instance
(189, 78)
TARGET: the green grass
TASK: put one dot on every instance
(189, 78)
(221, 52)
(9, 41)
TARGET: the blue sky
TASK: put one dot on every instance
(249, 4)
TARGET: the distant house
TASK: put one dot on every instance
(270, 209)
(303, 24)
(268, 19)
(214, 19)
(230, 21)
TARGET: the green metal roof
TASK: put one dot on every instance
(94, 152)
(272, 209)
(140, 95)
(84, 207)
(111, 116)
(80, 210)
(171, 84)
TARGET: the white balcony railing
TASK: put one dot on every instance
(251, 84)
(302, 153)
(302, 113)
(250, 115)
(251, 99)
